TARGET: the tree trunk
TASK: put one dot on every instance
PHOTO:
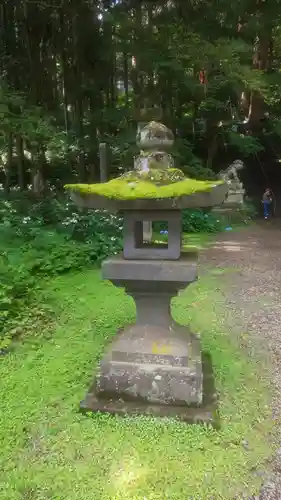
(126, 78)
(136, 70)
(8, 166)
(64, 68)
(80, 137)
(262, 60)
(77, 70)
(20, 160)
(212, 145)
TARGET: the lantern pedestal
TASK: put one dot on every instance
(154, 366)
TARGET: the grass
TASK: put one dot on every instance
(191, 241)
(51, 452)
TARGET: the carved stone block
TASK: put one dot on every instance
(134, 245)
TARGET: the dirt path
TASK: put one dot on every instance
(254, 302)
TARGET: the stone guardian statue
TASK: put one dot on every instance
(236, 191)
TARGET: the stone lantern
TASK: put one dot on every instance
(153, 366)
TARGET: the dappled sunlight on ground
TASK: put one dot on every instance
(233, 246)
(126, 476)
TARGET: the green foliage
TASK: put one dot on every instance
(16, 285)
(207, 221)
(195, 221)
(198, 221)
(199, 172)
(19, 117)
(43, 240)
(52, 237)
(60, 118)
(23, 218)
(246, 145)
(191, 165)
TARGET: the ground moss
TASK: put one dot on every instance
(50, 451)
(154, 184)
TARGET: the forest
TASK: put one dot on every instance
(78, 73)
(74, 74)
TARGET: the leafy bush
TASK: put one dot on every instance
(212, 221)
(52, 253)
(44, 239)
(48, 253)
(199, 172)
(27, 220)
(195, 221)
(52, 237)
(247, 145)
(16, 285)
(199, 221)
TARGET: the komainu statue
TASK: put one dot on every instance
(230, 174)
(236, 191)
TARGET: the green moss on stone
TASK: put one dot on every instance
(135, 185)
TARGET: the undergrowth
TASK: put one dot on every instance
(42, 239)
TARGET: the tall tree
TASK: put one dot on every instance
(73, 73)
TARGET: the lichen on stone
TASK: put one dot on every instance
(155, 131)
(158, 176)
(153, 160)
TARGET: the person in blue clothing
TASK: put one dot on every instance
(266, 200)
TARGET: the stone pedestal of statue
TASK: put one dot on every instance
(235, 195)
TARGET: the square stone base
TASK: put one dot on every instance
(156, 364)
(206, 413)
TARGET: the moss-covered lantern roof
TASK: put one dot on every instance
(154, 182)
